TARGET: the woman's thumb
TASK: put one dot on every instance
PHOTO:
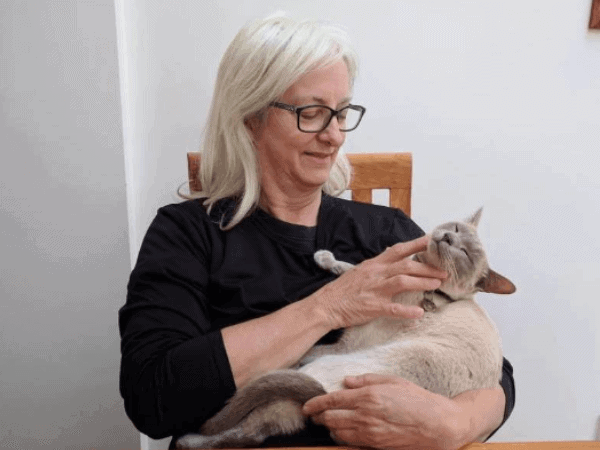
(407, 312)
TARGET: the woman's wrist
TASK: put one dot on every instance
(458, 427)
(322, 315)
(480, 414)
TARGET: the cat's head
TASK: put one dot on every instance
(456, 248)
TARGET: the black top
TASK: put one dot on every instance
(192, 279)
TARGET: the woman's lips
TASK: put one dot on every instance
(319, 155)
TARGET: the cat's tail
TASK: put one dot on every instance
(270, 388)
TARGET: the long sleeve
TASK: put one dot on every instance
(508, 386)
(174, 368)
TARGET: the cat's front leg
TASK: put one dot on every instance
(326, 260)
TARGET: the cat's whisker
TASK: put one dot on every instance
(448, 263)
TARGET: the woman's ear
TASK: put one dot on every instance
(253, 124)
(250, 124)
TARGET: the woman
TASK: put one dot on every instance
(226, 289)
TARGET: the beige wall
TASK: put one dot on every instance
(64, 257)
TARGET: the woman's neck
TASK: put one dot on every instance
(299, 210)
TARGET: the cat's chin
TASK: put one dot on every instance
(453, 260)
(433, 257)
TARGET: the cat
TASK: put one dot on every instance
(452, 348)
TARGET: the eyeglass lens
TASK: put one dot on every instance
(315, 118)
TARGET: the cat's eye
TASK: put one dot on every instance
(456, 226)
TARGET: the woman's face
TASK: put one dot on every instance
(296, 161)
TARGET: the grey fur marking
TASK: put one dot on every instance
(274, 386)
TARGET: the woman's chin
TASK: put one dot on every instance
(316, 180)
(315, 176)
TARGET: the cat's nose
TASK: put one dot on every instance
(447, 238)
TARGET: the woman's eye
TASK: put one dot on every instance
(311, 113)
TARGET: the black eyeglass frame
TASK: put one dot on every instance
(334, 113)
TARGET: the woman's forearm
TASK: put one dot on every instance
(483, 412)
(275, 341)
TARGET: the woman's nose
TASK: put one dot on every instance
(332, 133)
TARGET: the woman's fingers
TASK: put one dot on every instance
(345, 399)
(404, 249)
(406, 283)
(364, 293)
(336, 418)
(414, 268)
(343, 425)
(405, 274)
(349, 435)
(405, 311)
(368, 379)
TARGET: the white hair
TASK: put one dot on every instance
(264, 59)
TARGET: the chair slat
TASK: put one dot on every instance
(391, 171)
(400, 198)
(381, 170)
(194, 171)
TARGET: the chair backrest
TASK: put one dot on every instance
(392, 171)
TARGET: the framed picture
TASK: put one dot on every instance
(595, 15)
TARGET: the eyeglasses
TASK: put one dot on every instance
(315, 118)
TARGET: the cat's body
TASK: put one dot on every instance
(453, 348)
(448, 351)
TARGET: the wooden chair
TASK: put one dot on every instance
(392, 171)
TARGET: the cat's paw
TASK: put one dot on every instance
(326, 260)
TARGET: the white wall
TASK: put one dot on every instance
(63, 227)
(499, 103)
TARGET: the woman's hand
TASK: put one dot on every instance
(389, 412)
(365, 292)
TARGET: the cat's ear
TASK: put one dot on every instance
(495, 283)
(474, 219)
